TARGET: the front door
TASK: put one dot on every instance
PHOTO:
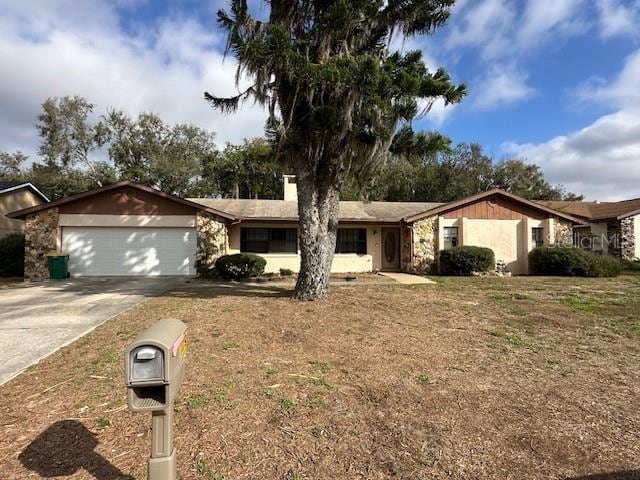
(391, 249)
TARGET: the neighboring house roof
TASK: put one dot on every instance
(442, 208)
(7, 187)
(73, 198)
(280, 210)
(596, 210)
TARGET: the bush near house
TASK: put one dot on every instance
(631, 265)
(572, 262)
(240, 265)
(465, 260)
(12, 255)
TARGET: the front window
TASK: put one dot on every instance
(537, 236)
(450, 237)
(352, 240)
(269, 240)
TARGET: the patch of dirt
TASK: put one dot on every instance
(507, 378)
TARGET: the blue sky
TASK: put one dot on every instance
(552, 81)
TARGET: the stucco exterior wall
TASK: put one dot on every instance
(11, 202)
(41, 238)
(504, 237)
(342, 263)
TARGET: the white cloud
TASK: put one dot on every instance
(501, 85)
(57, 50)
(617, 18)
(621, 92)
(543, 18)
(601, 160)
(484, 25)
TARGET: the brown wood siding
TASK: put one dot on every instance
(126, 201)
(495, 208)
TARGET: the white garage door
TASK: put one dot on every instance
(130, 251)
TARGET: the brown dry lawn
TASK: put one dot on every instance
(521, 378)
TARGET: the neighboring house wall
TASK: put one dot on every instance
(41, 238)
(11, 202)
(342, 262)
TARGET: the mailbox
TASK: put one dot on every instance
(154, 370)
(155, 366)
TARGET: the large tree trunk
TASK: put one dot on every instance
(318, 204)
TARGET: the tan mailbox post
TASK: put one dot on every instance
(154, 365)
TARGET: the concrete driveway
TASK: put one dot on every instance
(38, 319)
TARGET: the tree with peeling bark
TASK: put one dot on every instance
(336, 96)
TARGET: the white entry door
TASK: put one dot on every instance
(96, 251)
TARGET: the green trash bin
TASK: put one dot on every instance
(58, 266)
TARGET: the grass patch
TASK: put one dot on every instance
(286, 405)
(205, 471)
(423, 379)
(196, 401)
(513, 339)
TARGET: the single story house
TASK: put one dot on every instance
(16, 196)
(608, 227)
(130, 229)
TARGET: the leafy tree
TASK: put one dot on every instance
(248, 170)
(68, 138)
(151, 152)
(527, 180)
(336, 97)
(11, 165)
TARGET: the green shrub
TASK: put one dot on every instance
(240, 265)
(285, 272)
(631, 265)
(465, 260)
(572, 262)
(604, 266)
(566, 262)
(12, 255)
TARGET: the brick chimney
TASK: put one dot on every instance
(290, 188)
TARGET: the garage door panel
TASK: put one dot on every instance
(99, 251)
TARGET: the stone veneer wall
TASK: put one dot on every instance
(40, 234)
(425, 245)
(627, 238)
(563, 233)
(213, 241)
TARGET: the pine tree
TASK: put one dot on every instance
(336, 97)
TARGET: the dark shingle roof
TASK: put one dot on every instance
(4, 185)
(595, 210)
(288, 211)
(15, 185)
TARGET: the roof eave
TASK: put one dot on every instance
(22, 214)
(26, 185)
(474, 198)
